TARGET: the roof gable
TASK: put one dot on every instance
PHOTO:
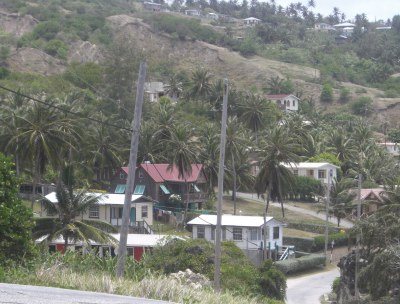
(232, 220)
(281, 96)
(165, 172)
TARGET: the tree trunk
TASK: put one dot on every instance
(234, 184)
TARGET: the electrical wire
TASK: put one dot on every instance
(62, 109)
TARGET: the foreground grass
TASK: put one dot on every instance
(151, 286)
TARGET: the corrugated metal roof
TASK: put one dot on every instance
(164, 172)
(307, 165)
(105, 198)
(231, 220)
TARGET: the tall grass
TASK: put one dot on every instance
(89, 274)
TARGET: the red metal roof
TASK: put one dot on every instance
(164, 172)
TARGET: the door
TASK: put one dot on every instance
(133, 216)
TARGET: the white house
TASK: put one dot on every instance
(319, 171)
(324, 27)
(345, 28)
(251, 21)
(154, 90)
(391, 148)
(286, 102)
(245, 231)
(192, 12)
(109, 208)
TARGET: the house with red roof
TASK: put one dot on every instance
(160, 181)
(286, 102)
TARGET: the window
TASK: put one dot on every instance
(294, 102)
(224, 234)
(276, 233)
(213, 233)
(321, 174)
(139, 189)
(253, 234)
(120, 189)
(200, 232)
(116, 212)
(310, 173)
(122, 175)
(194, 188)
(94, 211)
(144, 211)
(164, 189)
(141, 175)
(237, 234)
(296, 172)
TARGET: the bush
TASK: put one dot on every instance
(56, 47)
(300, 244)
(344, 95)
(4, 72)
(16, 243)
(300, 264)
(340, 239)
(327, 93)
(362, 106)
(272, 281)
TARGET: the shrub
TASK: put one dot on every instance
(56, 47)
(300, 264)
(327, 93)
(300, 244)
(362, 106)
(272, 281)
(340, 239)
(4, 72)
(16, 243)
(344, 95)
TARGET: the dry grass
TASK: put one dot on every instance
(152, 287)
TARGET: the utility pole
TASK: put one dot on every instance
(131, 171)
(357, 266)
(217, 264)
(328, 197)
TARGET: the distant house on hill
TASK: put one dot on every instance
(154, 90)
(371, 200)
(286, 102)
(391, 148)
(346, 29)
(153, 7)
(251, 21)
(192, 12)
(324, 27)
(318, 171)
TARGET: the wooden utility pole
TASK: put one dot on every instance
(328, 197)
(131, 171)
(357, 266)
(217, 263)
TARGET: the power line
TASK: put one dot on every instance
(62, 109)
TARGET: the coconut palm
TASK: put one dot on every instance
(199, 84)
(274, 178)
(174, 87)
(209, 155)
(42, 134)
(182, 149)
(236, 141)
(68, 222)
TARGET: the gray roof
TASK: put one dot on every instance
(231, 220)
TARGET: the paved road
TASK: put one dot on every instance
(27, 294)
(309, 289)
(321, 215)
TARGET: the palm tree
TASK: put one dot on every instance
(199, 84)
(68, 222)
(236, 141)
(274, 178)
(209, 154)
(182, 147)
(174, 87)
(42, 134)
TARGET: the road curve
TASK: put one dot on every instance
(253, 197)
(28, 294)
(308, 289)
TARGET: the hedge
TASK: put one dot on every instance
(300, 244)
(300, 264)
(320, 229)
(341, 239)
